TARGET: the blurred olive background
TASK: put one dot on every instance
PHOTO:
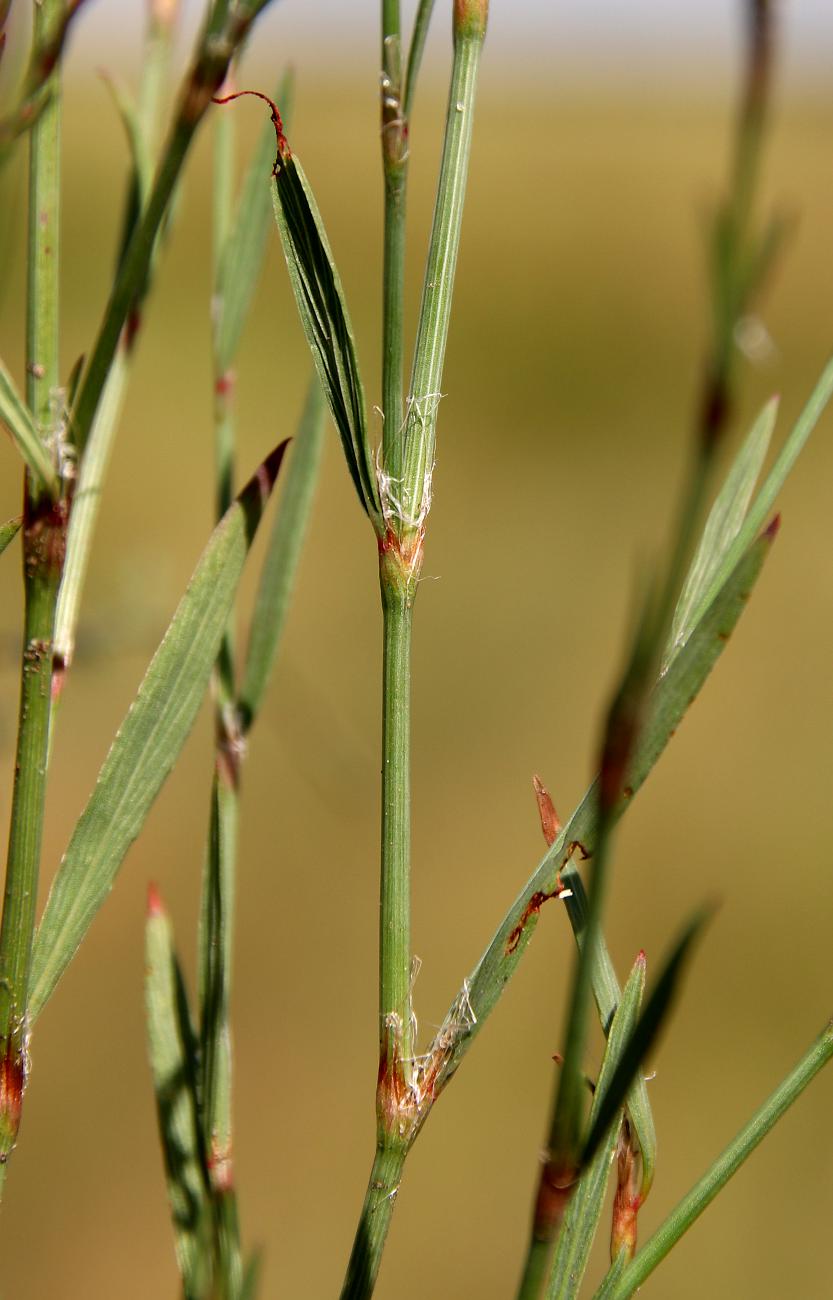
(580, 325)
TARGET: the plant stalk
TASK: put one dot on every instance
(394, 132)
(382, 1188)
(395, 910)
(44, 540)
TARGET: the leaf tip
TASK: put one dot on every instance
(155, 907)
(771, 531)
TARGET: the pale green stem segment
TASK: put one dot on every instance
(366, 1256)
(394, 132)
(704, 1192)
(396, 1034)
(44, 534)
(421, 404)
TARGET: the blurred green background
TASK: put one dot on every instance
(579, 330)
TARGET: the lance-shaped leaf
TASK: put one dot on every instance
(585, 1208)
(173, 1053)
(765, 499)
(241, 258)
(611, 1095)
(722, 526)
(280, 568)
(674, 692)
(18, 420)
(320, 299)
(149, 740)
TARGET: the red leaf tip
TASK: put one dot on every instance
(771, 530)
(155, 905)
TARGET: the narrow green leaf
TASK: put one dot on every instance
(320, 299)
(17, 418)
(8, 531)
(280, 567)
(674, 693)
(716, 1178)
(173, 1052)
(216, 931)
(242, 254)
(149, 740)
(584, 1211)
(763, 503)
(422, 21)
(611, 1095)
(722, 526)
(607, 994)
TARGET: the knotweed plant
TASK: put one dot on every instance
(64, 422)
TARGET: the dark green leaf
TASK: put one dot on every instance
(173, 1065)
(320, 300)
(612, 1093)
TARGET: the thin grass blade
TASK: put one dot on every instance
(611, 1096)
(242, 255)
(765, 500)
(17, 418)
(607, 994)
(149, 740)
(321, 305)
(673, 695)
(280, 567)
(722, 526)
(629, 1279)
(584, 1211)
(215, 941)
(173, 1054)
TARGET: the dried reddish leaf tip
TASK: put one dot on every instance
(550, 823)
(641, 959)
(284, 151)
(771, 530)
(155, 905)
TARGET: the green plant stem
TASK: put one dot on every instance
(394, 131)
(395, 908)
(704, 1192)
(44, 533)
(435, 310)
(366, 1257)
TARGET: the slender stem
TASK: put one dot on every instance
(395, 168)
(44, 533)
(435, 310)
(421, 24)
(395, 907)
(712, 1182)
(366, 1257)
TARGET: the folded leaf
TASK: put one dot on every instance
(722, 526)
(149, 740)
(173, 1053)
(320, 299)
